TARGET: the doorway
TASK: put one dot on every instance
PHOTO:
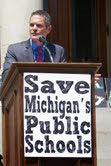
(83, 31)
(80, 27)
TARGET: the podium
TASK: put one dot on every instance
(11, 95)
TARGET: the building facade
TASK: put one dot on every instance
(82, 27)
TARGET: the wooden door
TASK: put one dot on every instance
(101, 32)
(61, 16)
(63, 32)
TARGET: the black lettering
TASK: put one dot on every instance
(85, 125)
(75, 123)
(68, 108)
(30, 148)
(76, 107)
(48, 88)
(45, 127)
(71, 146)
(62, 108)
(43, 106)
(32, 122)
(49, 143)
(64, 86)
(50, 104)
(79, 144)
(58, 126)
(82, 87)
(60, 146)
(37, 144)
(30, 105)
(34, 87)
(87, 147)
(68, 131)
(88, 109)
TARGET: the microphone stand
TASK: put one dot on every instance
(44, 41)
(47, 49)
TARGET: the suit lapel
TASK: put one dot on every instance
(52, 50)
(28, 53)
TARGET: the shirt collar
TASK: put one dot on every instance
(34, 46)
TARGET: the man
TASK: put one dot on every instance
(35, 49)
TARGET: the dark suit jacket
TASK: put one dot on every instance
(22, 52)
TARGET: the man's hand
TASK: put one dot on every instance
(97, 77)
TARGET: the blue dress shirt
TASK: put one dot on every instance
(34, 49)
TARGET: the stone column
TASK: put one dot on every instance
(14, 24)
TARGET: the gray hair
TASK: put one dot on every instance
(44, 14)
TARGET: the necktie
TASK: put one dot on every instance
(39, 57)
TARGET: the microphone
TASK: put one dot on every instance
(43, 40)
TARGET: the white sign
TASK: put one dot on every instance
(57, 115)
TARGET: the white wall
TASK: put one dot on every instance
(103, 125)
(14, 22)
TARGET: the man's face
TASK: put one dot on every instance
(37, 27)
